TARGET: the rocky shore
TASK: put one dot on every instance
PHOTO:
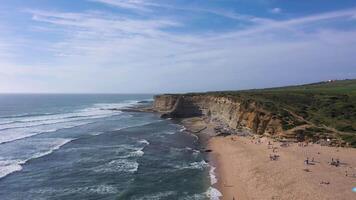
(255, 157)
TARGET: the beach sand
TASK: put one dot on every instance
(245, 170)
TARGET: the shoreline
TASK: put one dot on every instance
(204, 132)
(244, 169)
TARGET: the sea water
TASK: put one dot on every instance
(83, 147)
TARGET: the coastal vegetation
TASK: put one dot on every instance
(326, 107)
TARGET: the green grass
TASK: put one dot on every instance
(331, 104)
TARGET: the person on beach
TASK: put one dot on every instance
(332, 161)
(306, 161)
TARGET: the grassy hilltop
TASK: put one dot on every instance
(327, 107)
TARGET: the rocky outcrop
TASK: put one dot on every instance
(164, 103)
(233, 113)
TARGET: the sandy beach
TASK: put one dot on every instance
(249, 168)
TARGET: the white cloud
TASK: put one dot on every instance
(101, 23)
(139, 5)
(107, 53)
(144, 5)
(293, 24)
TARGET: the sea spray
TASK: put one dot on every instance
(213, 193)
(212, 174)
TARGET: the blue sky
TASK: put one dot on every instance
(154, 46)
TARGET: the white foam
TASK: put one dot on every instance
(193, 165)
(10, 135)
(193, 150)
(137, 153)
(212, 175)
(157, 196)
(97, 189)
(120, 165)
(198, 165)
(213, 194)
(10, 166)
(182, 129)
(138, 125)
(102, 189)
(96, 133)
(125, 163)
(24, 126)
(143, 141)
(169, 132)
(194, 197)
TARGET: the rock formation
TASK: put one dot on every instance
(236, 113)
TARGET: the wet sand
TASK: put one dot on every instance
(245, 170)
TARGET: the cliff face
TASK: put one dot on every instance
(164, 103)
(232, 113)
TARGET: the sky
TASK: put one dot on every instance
(159, 46)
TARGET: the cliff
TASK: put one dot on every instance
(236, 113)
(233, 113)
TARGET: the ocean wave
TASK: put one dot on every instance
(21, 133)
(99, 189)
(96, 133)
(124, 163)
(138, 153)
(157, 196)
(138, 125)
(182, 129)
(169, 132)
(25, 115)
(25, 126)
(212, 175)
(143, 141)
(96, 111)
(198, 165)
(195, 151)
(96, 189)
(193, 165)
(213, 194)
(33, 123)
(120, 165)
(201, 196)
(10, 166)
(133, 152)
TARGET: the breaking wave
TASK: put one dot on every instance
(22, 126)
(9, 166)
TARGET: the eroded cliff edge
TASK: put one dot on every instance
(237, 113)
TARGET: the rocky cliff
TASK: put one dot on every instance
(236, 113)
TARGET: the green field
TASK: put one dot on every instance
(324, 104)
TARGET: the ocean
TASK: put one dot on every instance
(64, 146)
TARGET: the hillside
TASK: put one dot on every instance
(324, 104)
(313, 112)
